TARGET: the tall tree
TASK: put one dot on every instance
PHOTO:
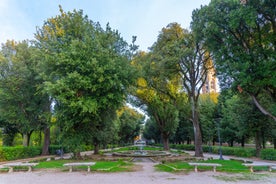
(22, 104)
(87, 70)
(242, 38)
(182, 54)
(159, 93)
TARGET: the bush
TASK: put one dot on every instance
(268, 154)
(235, 151)
(18, 152)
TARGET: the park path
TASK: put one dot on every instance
(145, 175)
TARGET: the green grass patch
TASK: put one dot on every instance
(53, 164)
(108, 166)
(230, 166)
(102, 166)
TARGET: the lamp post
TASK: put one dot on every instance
(219, 139)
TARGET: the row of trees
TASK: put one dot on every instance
(75, 72)
(81, 74)
(240, 40)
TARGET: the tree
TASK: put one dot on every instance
(235, 114)
(241, 120)
(184, 131)
(159, 94)
(207, 107)
(87, 72)
(130, 123)
(22, 104)
(185, 56)
(242, 38)
(151, 131)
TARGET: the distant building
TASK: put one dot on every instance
(211, 84)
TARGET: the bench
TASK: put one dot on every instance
(270, 166)
(20, 164)
(71, 165)
(214, 165)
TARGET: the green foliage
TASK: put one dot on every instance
(242, 41)
(99, 166)
(207, 108)
(234, 151)
(268, 154)
(23, 107)
(87, 72)
(129, 125)
(151, 131)
(13, 153)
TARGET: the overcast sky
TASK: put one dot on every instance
(141, 18)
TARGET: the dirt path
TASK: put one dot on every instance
(146, 175)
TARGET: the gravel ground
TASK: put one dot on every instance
(147, 175)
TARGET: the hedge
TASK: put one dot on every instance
(268, 154)
(18, 152)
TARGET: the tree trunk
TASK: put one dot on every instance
(188, 140)
(258, 143)
(46, 144)
(165, 138)
(197, 132)
(243, 141)
(198, 140)
(26, 139)
(40, 138)
(274, 142)
(96, 149)
(263, 139)
(231, 143)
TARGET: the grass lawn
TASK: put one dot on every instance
(229, 166)
(103, 166)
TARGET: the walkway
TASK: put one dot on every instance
(146, 175)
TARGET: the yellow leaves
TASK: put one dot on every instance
(53, 119)
(53, 28)
(59, 31)
(146, 94)
(142, 82)
(212, 96)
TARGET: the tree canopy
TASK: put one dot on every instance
(87, 71)
(242, 40)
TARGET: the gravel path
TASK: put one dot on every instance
(146, 176)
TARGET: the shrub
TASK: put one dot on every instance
(235, 151)
(268, 154)
(18, 152)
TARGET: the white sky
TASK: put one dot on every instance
(141, 18)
